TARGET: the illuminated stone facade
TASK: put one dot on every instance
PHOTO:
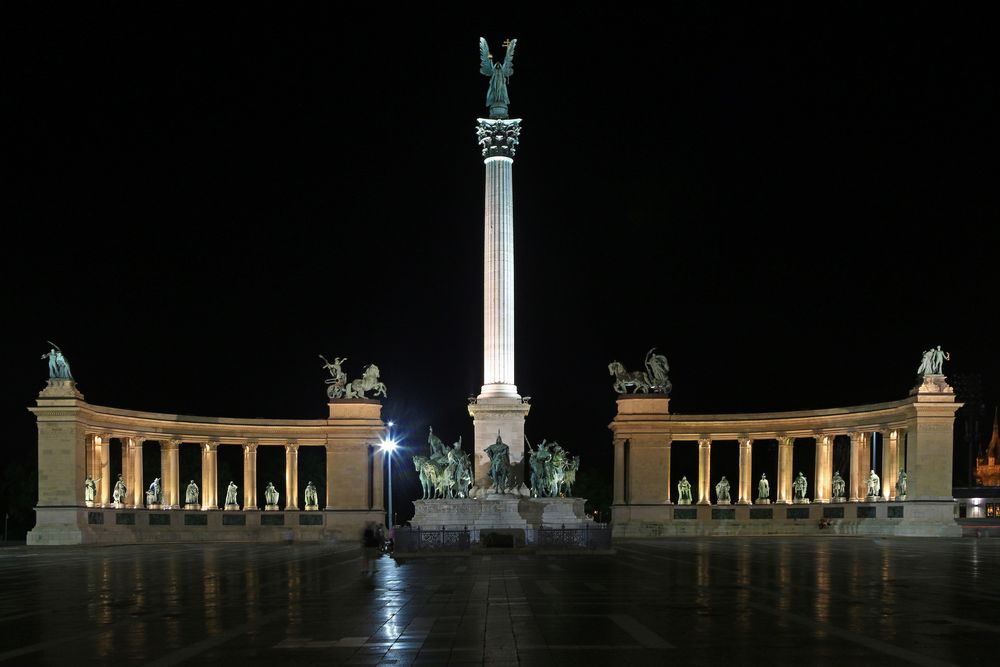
(988, 465)
(916, 435)
(75, 440)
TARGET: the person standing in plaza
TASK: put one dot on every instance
(369, 547)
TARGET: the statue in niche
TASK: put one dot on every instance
(763, 490)
(839, 486)
(231, 495)
(120, 491)
(901, 485)
(684, 492)
(90, 490)
(799, 487)
(722, 492)
(271, 496)
(312, 498)
(191, 494)
(496, 97)
(58, 364)
(874, 484)
(154, 494)
(500, 472)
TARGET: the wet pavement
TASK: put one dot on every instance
(724, 601)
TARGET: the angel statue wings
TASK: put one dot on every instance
(496, 96)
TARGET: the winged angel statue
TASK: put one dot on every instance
(496, 96)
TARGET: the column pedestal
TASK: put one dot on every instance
(492, 416)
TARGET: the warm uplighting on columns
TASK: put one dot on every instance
(704, 471)
(292, 475)
(784, 494)
(745, 483)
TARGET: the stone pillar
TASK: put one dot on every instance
(619, 471)
(378, 477)
(102, 447)
(292, 475)
(704, 471)
(824, 463)
(890, 467)
(666, 463)
(331, 473)
(170, 472)
(126, 471)
(210, 475)
(250, 475)
(929, 441)
(137, 491)
(93, 470)
(857, 461)
(498, 410)
(746, 483)
(784, 490)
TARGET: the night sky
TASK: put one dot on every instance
(791, 203)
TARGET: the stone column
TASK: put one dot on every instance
(250, 475)
(210, 475)
(292, 475)
(331, 473)
(138, 493)
(378, 477)
(102, 455)
(890, 465)
(745, 482)
(669, 443)
(784, 490)
(90, 458)
(498, 409)
(169, 472)
(126, 470)
(857, 460)
(704, 471)
(824, 463)
(619, 471)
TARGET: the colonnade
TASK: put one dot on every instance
(649, 458)
(98, 464)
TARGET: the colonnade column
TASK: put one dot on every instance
(704, 471)
(784, 494)
(824, 468)
(619, 471)
(669, 443)
(102, 455)
(890, 463)
(746, 486)
(292, 475)
(210, 475)
(126, 470)
(857, 460)
(90, 457)
(250, 475)
(169, 467)
(137, 494)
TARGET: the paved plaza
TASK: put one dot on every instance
(774, 601)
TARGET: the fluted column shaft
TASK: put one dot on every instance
(858, 461)
(102, 453)
(292, 475)
(209, 476)
(890, 463)
(126, 470)
(704, 471)
(169, 472)
(498, 280)
(746, 463)
(824, 463)
(250, 476)
(784, 491)
(137, 490)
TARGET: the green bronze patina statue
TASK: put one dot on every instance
(496, 97)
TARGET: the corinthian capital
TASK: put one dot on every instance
(498, 138)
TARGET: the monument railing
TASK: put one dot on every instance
(597, 536)
(593, 537)
(417, 539)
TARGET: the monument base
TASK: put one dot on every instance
(873, 499)
(763, 501)
(801, 501)
(154, 506)
(88, 503)
(499, 512)
(900, 498)
(312, 508)
(840, 499)
(686, 501)
(272, 508)
(232, 507)
(192, 506)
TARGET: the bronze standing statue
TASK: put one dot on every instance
(496, 97)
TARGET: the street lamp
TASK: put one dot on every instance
(389, 446)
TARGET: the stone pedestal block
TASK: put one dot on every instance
(504, 511)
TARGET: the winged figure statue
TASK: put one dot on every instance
(496, 96)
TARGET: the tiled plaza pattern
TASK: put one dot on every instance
(778, 601)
